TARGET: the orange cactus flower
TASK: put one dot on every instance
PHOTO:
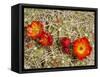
(82, 48)
(35, 29)
(45, 39)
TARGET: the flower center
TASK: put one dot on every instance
(36, 29)
(81, 49)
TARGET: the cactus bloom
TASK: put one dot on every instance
(45, 39)
(65, 43)
(82, 48)
(35, 29)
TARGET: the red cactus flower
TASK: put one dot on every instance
(65, 43)
(82, 48)
(35, 29)
(66, 50)
(45, 39)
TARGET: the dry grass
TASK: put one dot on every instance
(72, 24)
